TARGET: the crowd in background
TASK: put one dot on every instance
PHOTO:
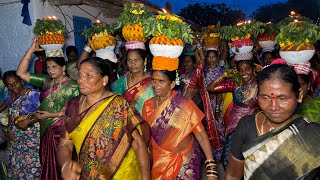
(42, 127)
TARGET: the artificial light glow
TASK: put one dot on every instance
(164, 10)
(296, 20)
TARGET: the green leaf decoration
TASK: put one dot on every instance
(46, 25)
(171, 25)
(97, 28)
(241, 30)
(296, 33)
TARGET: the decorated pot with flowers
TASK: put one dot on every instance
(267, 40)
(50, 33)
(211, 36)
(102, 41)
(100, 35)
(132, 20)
(296, 41)
(240, 35)
(168, 30)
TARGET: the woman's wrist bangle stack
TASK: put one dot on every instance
(211, 167)
(217, 109)
(87, 49)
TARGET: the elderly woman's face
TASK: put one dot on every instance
(161, 84)
(277, 100)
(90, 81)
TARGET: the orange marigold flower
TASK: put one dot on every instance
(165, 63)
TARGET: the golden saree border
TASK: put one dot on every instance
(184, 119)
(79, 133)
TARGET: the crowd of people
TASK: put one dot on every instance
(215, 115)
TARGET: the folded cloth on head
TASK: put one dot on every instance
(130, 45)
(301, 68)
(107, 53)
(243, 56)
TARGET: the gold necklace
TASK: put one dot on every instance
(261, 131)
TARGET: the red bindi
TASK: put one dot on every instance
(273, 96)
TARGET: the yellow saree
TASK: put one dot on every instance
(103, 139)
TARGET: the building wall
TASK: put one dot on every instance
(15, 37)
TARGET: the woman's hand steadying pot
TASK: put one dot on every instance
(71, 170)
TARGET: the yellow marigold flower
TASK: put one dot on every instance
(174, 18)
(168, 17)
(137, 12)
(307, 40)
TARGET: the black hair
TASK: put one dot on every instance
(272, 53)
(214, 51)
(170, 74)
(10, 74)
(282, 72)
(71, 49)
(103, 67)
(250, 62)
(142, 53)
(305, 78)
(58, 60)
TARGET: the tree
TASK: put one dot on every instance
(210, 14)
(278, 11)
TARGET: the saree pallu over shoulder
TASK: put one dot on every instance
(171, 123)
(139, 93)
(106, 148)
(67, 90)
(290, 152)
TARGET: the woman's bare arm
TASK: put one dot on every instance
(140, 149)
(235, 168)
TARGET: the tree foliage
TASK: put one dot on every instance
(208, 14)
(278, 11)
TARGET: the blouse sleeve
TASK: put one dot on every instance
(237, 141)
(37, 79)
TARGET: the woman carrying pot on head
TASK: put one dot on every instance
(136, 85)
(57, 89)
(244, 95)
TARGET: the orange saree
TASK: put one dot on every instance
(171, 123)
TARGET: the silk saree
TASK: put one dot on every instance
(136, 94)
(102, 137)
(288, 152)
(171, 123)
(52, 98)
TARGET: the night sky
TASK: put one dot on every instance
(247, 6)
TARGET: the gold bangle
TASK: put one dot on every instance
(209, 161)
